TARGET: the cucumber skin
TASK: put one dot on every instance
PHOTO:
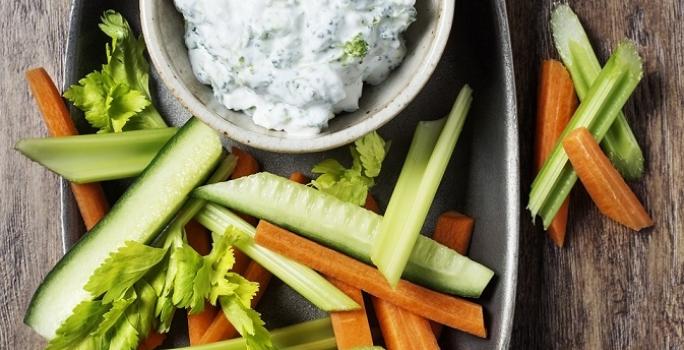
(51, 299)
(347, 228)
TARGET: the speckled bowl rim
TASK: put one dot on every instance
(295, 145)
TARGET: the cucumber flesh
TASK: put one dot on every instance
(140, 214)
(344, 227)
(97, 157)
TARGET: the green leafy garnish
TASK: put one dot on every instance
(141, 303)
(117, 97)
(352, 184)
(75, 331)
(357, 47)
(113, 278)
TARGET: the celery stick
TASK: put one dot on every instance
(575, 50)
(97, 157)
(311, 333)
(302, 279)
(427, 159)
(597, 112)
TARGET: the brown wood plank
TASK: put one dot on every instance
(33, 34)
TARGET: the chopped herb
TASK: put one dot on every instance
(356, 47)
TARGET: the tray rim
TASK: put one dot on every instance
(71, 225)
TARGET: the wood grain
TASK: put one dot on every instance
(608, 288)
(33, 34)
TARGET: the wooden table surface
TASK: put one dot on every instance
(608, 288)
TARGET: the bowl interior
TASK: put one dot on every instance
(425, 39)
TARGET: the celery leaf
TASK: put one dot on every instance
(352, 184)
(74, 332)
(117, 97)
(247, 322)
(122, 269)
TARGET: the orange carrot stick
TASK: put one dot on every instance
(220, 328)
(556, 104)
(402, 329)
(351, 328)
(451, 311)
(299, 177)
(198, 237)
(454, 231)
(372, 204)
(246, 165)
(153, 341)
(603, 182)
(90, 198)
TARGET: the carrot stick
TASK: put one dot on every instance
(454, 231)
(451, 311)
(221, 328)
(351, 328)
(90, 198)
(198, 237)
(299, 177)
(603, 182)
(246, 165)
(372, 204)
(401, 329)
(153, 341)
(557, 102)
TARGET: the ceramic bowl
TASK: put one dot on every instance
(163, 28)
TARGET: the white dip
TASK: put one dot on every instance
(293, 64)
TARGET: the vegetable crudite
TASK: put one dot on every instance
(603, 182)
(580, 59)
(97, 157)
(345, 226)
(431, 149)
(138, 216)
(596, 112)
(451, 311)
(556, 104)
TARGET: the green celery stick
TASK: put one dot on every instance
(310, 335)
(575, 50)
(97, 157)
(431, 149)
(302, 279)
(597, 112)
